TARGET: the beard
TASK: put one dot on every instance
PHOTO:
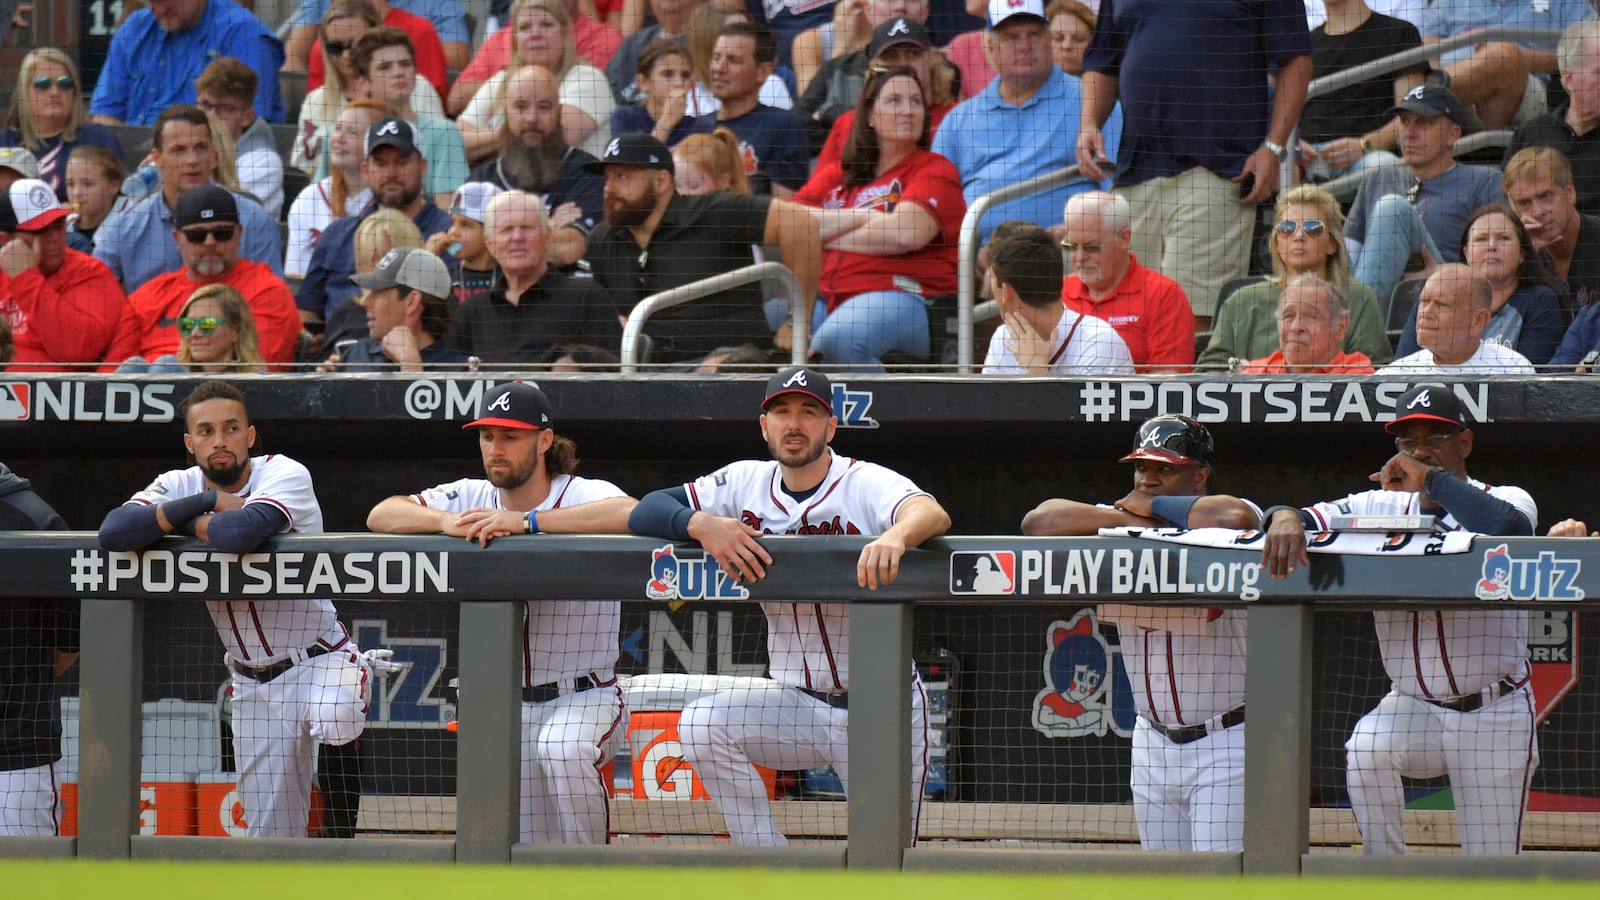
(536, 166)
(224, 476)
(517, 476)
(396, 196)
(795, 459)
(211, 266)
(620, 214)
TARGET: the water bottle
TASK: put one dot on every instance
(141, 184)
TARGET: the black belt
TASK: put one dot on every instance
(273, 670)
(835, 699)
(1475, 702)
(1190, 733)
(544, 693)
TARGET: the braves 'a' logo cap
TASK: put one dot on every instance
(800, 380)
(1429, 402)
(515, 404)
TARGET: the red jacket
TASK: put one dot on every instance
(68, 317)
(149, 325)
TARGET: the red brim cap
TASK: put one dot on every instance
(44, 220)
(1158, 455)
(1423, 417)
(502, 423)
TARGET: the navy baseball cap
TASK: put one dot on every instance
(635, 148)
(800, 380)
(899, 32)
(395, 132)
(516, 404)
(1432, 100)
(1428, 403)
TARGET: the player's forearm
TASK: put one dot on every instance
(1476, 510)
(608, 516)
(138, 525)
(240, 530)
(402, 515)
(665, 513)
(920, 518)
(1222, 511)
(1063, 518)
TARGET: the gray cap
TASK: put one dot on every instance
(406, 267)
(19, 160)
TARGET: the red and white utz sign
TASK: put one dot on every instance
(1553, 657)
(14, 397)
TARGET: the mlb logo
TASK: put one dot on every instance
(14, 404)
(983, 572)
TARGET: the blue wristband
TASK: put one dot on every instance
(1173, 508)
(532, 521)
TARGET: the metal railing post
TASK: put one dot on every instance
(633, 330)
(489, 746)
(1277, 748)
(111, 669)
(880, 725)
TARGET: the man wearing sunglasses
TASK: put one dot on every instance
(63, 306)
(207, 233)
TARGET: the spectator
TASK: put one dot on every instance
(448, 17)
(1504, 82)
(533, 307)
(343, 193)
(226, 92)
(208, 218)
(1422, 207)
(596, 43)
(788, 18)
(395, 168)
(709, 162)
(1071, 25)
(1148, 309)
(465, 243)
(1034, 105)
(17, 163)
(156, 55)
(1307, 239)
(890, 212)
(94, 178)
(407, 299)
(218, 335)
(1193, 180)
(1539, 185)
(900, 42)
(849, 31)
(534, 155)
(574, 359)
(1573, 129)
(47, 116)
(383, 61)
(1404, 10)
(1580, 346)
(1313, 319)
(63, 306)
(1353, 128)
(430, 52)
(706, 24)
(665, 80)
(1525, 314)
(543, 32)
(671, 24)
(342, 24)
(653, 240)
(384, 230)
(1451, 317)
(139, 242)
(967, 52)
(771, 140)
(1040, 335)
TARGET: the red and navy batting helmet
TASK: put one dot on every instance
(1178, 440)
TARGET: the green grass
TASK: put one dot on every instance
(217, 881)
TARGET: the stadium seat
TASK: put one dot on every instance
(133, 142)
(1401, 302)
(294, 181)
(292, 87)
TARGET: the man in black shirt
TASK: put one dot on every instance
(533, 307)
(654, 240)
(38, 641)
(1353, 128)
(1539, 183)
(1574, 129)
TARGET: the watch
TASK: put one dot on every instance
(1278, 150)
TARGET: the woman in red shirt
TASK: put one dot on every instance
(890, 211)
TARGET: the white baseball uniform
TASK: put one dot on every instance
(565, 740)
(30, 802)
(781, 726)
(1444, 656)
(1186, 666)
(1081, 345)
(320, 699)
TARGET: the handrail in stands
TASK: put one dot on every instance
(716, 284)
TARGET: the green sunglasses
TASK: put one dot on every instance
(188, 326)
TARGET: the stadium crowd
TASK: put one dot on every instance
(666, 141)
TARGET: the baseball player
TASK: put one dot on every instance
(571, 704)
(799, 720)
(1186, 664)
(298, 678)
(1459, 701)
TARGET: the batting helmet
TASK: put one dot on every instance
(1179, 440)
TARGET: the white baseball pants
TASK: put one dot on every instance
(1189, 796)
(565, 741)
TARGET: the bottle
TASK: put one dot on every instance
(142, 183)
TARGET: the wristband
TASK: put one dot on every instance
(1433, 474)
(1173, 508)
(531, 520)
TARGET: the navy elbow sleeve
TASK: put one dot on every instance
(131, 527)
(1478, 510)
(243, 530)
(664, 513)
(1173, 508)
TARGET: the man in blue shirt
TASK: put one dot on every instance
(395, 169)
(1202, 135)
(449, 19)
(1023, 124)
(157, 54)
(1502, 81)
(772, 141)
(137, 242)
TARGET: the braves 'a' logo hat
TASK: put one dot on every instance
(516, 404)
(800, 380)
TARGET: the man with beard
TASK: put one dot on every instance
(571, 705)
(799, 719)
(395, 169)
(298, 678)
(654, 240)
(207, 234)
(534, 157)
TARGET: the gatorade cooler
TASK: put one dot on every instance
(654, 704)
(222, 815)
(166, 804)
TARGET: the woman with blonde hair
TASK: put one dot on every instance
(343, 193)
(218, 334)
(542, 36)
(1308, 237)
(709, 162)
(47, 116)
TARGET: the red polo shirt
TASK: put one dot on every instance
(1149, 311)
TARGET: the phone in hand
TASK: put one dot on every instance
(1247, 184)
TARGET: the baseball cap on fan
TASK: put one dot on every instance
(1001, 10)
(408, 267)
(29, 205)
(395, 132)
(635, 149)
(204, 205)
(19, 160)
(516, 404)
(800, 380)
(898, 32)
(472, 200)
(1428, 403)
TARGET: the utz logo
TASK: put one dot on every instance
(852, 407)
(676, 578)
(1086, 691)
(1547, 577)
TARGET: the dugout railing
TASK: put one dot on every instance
(634, 340)
(489, 584)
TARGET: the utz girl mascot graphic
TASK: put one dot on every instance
(1078, 670)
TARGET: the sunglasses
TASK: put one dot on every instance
(188, 326)
(337, 48)
(1312, 227)
(222, 233)
(62, 82)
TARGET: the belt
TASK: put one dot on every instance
(1188, 734)
(1475, 702)
(835, 699)
(273, 670)
(544, 693)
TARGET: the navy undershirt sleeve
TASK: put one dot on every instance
(1476, 509)
(243, 530)
(131, 527)
(664, 513)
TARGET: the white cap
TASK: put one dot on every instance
(1001, 10)
(472, 199)
(30, 205)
